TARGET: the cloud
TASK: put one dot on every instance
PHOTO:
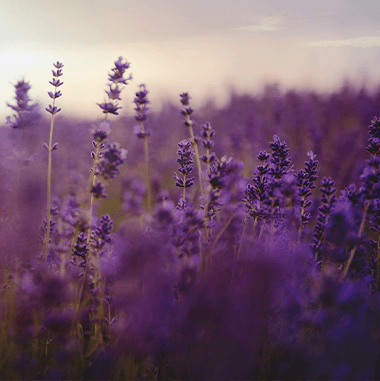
(266, 24)
(360, 42)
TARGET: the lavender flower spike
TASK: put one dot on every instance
(142, 113)
(185, 152)
(141, 102)
(305, 182)
(52, 110)
(207, 134)
(115, 79)
(186, 112)
(26, 113)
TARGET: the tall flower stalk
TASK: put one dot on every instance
(100, 135)
(185, 161)
(207, 134)
(328, 201)
(278, 169)
(186, 112)
(305, 182)
(25, 112)
(371, 183)
(51, 147)
(142, 111)
(256, 195)
(105, 160)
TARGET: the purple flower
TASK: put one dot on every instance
(181, 183)
(110, 160)
(56, 82)
(185, 99)
(305, 182)
(109, 108)
(208, 133)
(139, 133)
(263, 156)
(57, 94)
(99, 136)
(52, 109)
(99, 191)
(116, 79)
(58, 65)
(114, 92)
(118, 72)
(256, 194)
(81, 247)
(26, 113)
(102, 233)
(185, 152)
(141, 102)
(328, 201)
(280, 160)
(186, 112)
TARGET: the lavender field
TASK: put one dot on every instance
(233, 243)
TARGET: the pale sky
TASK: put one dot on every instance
(174, 46)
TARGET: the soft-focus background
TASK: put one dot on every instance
(204, 47)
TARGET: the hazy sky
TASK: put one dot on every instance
(174, 46)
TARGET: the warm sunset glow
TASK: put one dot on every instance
(189, 46)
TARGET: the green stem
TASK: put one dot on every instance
(194, 144)
(324, 232)
(208, 159)
(208, 258)
(301, 228)
(378, 265)
(92, 182)
(147, 169)
(361, 228)
(49, 187)
(184, 188)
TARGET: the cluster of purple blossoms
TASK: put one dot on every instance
(328, 201)
(56, 83)
(374, 262)
(115, 79)
(273, 188)
(53, 223)
(187, 111)
(25, 112)
(207, 134)
(374, 140)
(256, 194)
(187, 229)
(225, 184)
(280, 158)
(185, 152)
(101, 235)
(305, 183)
(111, 158)
(142, 112)
(106, 162)
(107, 167)
(201, 296)
(99, 190)
(277, 186)
(80, 251)
(362, 205)
(371, 190)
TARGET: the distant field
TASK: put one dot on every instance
(240, 242)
